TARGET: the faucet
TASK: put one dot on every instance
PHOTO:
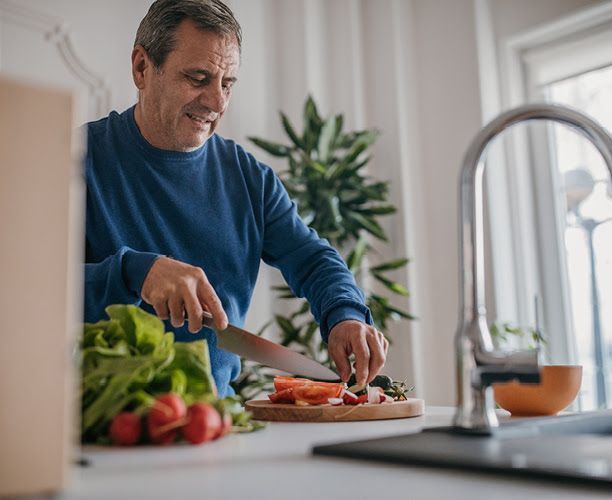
(478, 364)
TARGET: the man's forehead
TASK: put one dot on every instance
(191, 38)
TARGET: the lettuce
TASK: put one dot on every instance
(129, 359)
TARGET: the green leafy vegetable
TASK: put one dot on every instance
(129, 359)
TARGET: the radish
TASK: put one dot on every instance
(374, 394)
(226, 425)
(125, 428)
(385, 398)
(203, 423)
(165, 417)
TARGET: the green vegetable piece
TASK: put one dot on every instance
(143, 330)
(178, 382)
(113, 392)
(193, 359)
(382, 381)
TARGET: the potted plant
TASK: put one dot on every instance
(325, 177)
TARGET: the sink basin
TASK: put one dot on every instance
(575, 447)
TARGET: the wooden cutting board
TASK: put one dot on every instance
(266, 410)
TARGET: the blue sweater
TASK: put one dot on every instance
(217, 208)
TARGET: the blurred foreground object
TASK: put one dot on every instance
(41, 223)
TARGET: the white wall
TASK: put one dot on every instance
(407, 67)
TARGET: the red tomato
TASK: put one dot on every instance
(282, 383)
(350, 399)
(125, 428)
(284, 396)
(362, 399)
(165, 416)
(317, 393)
(204, 423)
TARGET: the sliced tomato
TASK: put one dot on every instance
(284, 396)
(282, 383)
(349, 398)
(317, 393)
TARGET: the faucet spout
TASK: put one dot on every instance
(478, 364)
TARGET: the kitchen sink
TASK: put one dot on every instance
(576, 447)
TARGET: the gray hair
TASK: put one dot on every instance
(157, 29)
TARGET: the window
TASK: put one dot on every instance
(587, 228)
(572, 65)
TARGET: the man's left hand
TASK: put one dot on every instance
(364, 341)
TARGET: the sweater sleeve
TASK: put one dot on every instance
(311, 266)
(115, 280)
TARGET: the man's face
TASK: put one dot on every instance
(180, 104)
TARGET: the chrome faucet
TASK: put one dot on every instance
(478, 364)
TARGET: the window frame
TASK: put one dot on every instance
(534, 264)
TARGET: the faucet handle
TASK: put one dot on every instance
(503, 366)
(521, 373)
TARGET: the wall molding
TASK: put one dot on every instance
(58, 33)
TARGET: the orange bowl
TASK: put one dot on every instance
(558, 387)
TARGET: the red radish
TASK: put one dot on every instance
(165, 417)
(203, 423)
(226, 425)
(374, 394)
(125, 428)
(385, 398)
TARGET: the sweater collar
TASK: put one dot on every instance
(150, 150)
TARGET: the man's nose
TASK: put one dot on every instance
(214, 98)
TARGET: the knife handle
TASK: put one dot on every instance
(207, 320)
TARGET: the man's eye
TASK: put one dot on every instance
(197, 81)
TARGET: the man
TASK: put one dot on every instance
(179, 218)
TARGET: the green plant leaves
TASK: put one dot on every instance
(325, 179)
(312, 125)
(387, 266)
(327, 139)
(503, 332)
(355, 257)
(391, 285)
(368, 224)
(297, 141)
(270, 147)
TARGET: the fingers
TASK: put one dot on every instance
(362, 357)
(212, 303)
(340, 358)
(179, 291)
(177, 311)
(368, 345)
(385, 345)
(377, 354)
(161, 309)
(194, 311)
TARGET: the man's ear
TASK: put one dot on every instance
(140, 65)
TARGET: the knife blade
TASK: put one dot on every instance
(268, 353)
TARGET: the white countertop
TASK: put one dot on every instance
(276, 463)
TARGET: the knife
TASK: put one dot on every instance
(253, 347)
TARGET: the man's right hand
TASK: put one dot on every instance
(174, 288)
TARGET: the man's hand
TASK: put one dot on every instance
(364, 341)
(173, 288)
